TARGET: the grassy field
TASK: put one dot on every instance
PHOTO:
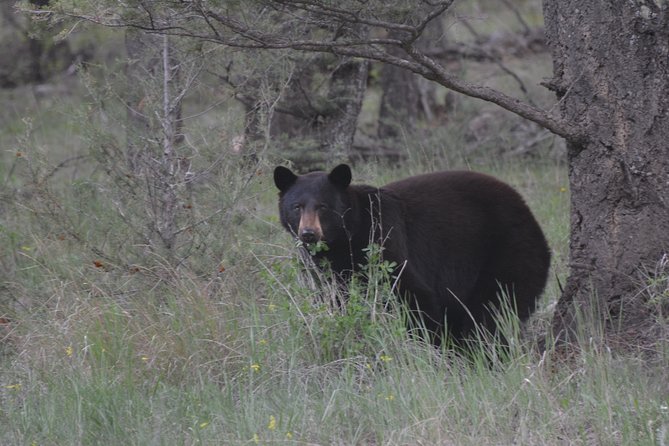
(105, 341)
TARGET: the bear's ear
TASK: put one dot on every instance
(340, 176)
(284, 178)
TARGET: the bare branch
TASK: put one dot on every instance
(346, 16)
(439, 74)
(222, 27)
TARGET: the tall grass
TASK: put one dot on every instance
(237, 346)
(166, 355)
(188, 368)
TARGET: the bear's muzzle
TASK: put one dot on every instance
(310, 230)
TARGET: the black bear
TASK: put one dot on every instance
(460, 236)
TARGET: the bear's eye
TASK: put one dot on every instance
(297, 207)
(322, 207)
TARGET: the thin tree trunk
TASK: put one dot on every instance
(399, 101)
(347, 88)
(611, 70)
(154, 99)
(169, 173)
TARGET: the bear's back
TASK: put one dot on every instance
(453, 205)
(467, 232)
(455, 185)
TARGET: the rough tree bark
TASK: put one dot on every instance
(399, 101)
(347, 88)
(611, 73)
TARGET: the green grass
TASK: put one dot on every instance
(197, 370)
(228, 347)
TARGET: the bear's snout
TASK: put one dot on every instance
(310, 230)
(309, 235)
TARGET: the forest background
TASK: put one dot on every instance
(148, 294)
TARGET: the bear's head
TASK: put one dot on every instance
(313, 206)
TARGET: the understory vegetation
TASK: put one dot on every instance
(104, 341)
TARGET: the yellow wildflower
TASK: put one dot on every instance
(289, 435)
(69, 351)
(204, 424)
(255, 367)
(385, 358)
(563, 189)
(13, 386)
(272, 423)
(256, 439)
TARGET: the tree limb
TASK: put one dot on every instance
(222, 27)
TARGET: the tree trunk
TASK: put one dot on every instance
(611, 71)
(347, 88)
(399, 101)
(172, 168)
(154, 132)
